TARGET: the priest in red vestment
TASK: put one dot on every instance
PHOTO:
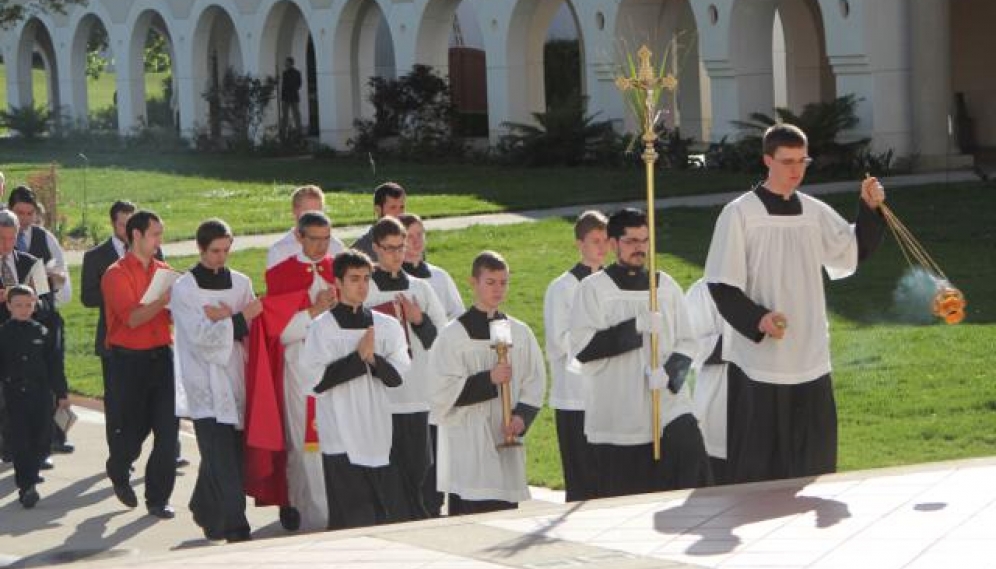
(283, 465)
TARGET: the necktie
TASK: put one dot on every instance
(6, 273)
(22, 242)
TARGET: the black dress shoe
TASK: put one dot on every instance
(239, 535)
(164, 512)
(39, 479)
(213, 534)
(64, 448)
(46, 464)
(290, 518)
(182, 462)
(28, 498)
(125, 494)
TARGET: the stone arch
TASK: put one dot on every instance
(808, 77)
(463, 60)
(214, 47)
(143, 21)
(527, 33)
(360, 51)
(286, 32)
(807, 73)
(35, 34)
(671, 28)
(85, 25)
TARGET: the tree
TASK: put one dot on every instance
(12, 12)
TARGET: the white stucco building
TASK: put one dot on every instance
(905, 59)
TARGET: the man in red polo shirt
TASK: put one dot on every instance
(139, 340)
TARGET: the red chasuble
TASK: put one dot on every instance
(287, 285)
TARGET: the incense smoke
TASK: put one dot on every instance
(914, 296)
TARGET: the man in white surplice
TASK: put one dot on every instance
(414, 303)
(211, 307)
(354, 357)
(610, 331)
(464, 392)
(765, 271)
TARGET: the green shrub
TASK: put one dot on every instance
(566, 135)
(29, 121)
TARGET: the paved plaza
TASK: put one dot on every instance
(927, 516)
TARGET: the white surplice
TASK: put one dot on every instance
(618, 399)
(354, 417)
(778, 262)
(468, 462)
(709, 393)
(208, 364)
(413, 395)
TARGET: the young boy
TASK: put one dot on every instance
(31, 372)
(466, 401)
(352, 357)
(567, 390)
(414, 303)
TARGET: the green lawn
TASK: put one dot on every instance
(252, 193)
(906, 393)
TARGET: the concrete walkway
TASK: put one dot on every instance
(921, 517)
(349, 233)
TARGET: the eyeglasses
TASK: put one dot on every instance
(789, 162)
(391, 248)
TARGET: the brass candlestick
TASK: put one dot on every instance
(501, 336)
(646, 84)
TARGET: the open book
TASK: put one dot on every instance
(162, 281)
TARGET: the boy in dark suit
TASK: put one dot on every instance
(30, 373)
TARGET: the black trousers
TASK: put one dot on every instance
(577, 457)
(111, 415)
(6, 451)
(411, 453)
(219, 500)
(431, 497)
(631, 469)
(460, 507)
(144, 397)
(780, 431)
(58, 326)
(29, 419)
(360, 496)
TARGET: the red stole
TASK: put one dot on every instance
(287, 286)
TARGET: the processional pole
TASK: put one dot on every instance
(643, 88)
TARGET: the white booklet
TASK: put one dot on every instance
(162, 281)
(65, 419)
(38, 278)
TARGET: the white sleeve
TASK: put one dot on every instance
(705, 321)
(433, 307)
(533, 384)
(680, 323)
(65, 293)
(840, 245)
(447, 376)
(316, 354)
(211, 341)
(297, 328)
(726, 262)
(557, 321)
(452, 301)
(392, 346)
